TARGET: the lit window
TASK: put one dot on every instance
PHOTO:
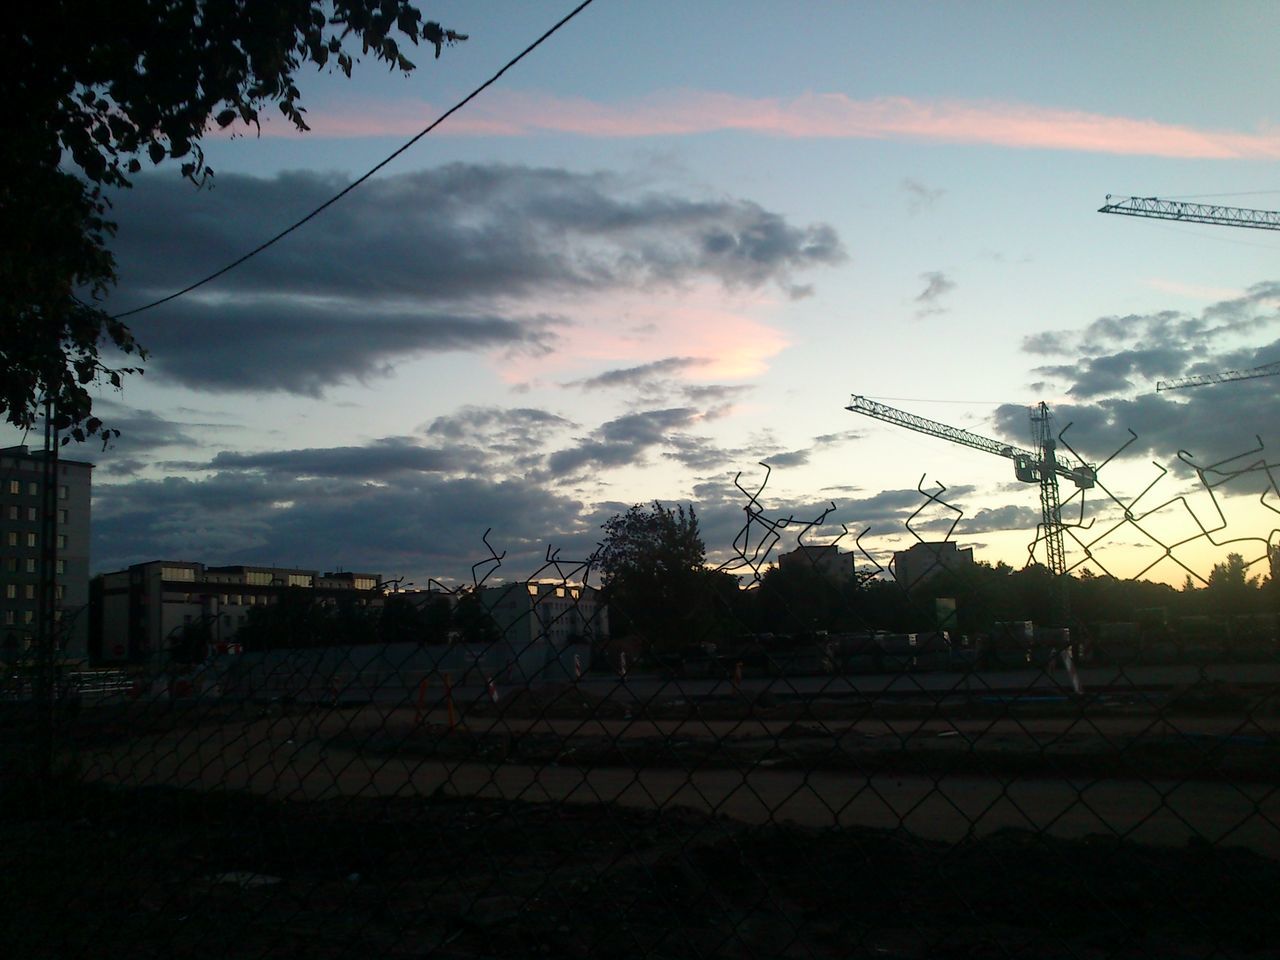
(29, 591)
(30, 564)
(62, 516)
(177, 573)
(60, 566)
(31, 539)
(15, 486)
(59, 591)
(299, 579)
(63, 492)
(11, 591)
(62, 541)
(33, 488)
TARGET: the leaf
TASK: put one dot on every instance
(226, 118)
(155, 151)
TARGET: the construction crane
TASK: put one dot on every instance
(1158, 209)
(1044, 465)
(1200, 380)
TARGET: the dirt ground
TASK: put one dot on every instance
(158, 872)
(561, 827)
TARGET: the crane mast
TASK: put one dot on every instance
(1043, 466)
(1155, 208)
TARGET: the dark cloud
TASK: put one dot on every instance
(420, 527)
(642, 375)
(423, 262)
(793, 458)
(622, 441)
(1110, 369)
(1008, 517)
(304, 347)
(521, 432)
(381, 458)
(699, 453)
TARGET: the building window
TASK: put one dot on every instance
(63, 492)
(12, 538)
(31, 539)
(29, 564)
(59, 591)
(11, 591)
(62, 516)
(11, 564)
(31, 514)
(29, 591)
(13, 512)
(33, 488)
(28, 616)
(60, 566)
(178, 573)
(15, 486)
(299, 579)
(62, 541)
(8, 618)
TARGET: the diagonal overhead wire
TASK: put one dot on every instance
(365, 176)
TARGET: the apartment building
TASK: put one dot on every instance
(136, 613)
(22, 508)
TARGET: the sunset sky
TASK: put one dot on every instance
(669, 246)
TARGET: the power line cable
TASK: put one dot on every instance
(357, 182)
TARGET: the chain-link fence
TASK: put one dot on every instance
(799, 751)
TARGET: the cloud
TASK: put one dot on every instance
(622, 441)
(811, 115)
(421, 527)
(297, 346)
(1109, 370)
(937, 285)
(521, 432)
(385, 457)
(920, 197)
(791, 458)
(639, 376)
(464, 257)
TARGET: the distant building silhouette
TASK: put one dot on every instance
(926, 559)
(564, 614)
(827, 560)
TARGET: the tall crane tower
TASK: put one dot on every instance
(1044, 465)
(1155, 208)
(1200, 380)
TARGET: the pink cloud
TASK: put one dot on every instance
(810, 115)
(622, 331)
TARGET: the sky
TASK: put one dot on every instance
(665, 250)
